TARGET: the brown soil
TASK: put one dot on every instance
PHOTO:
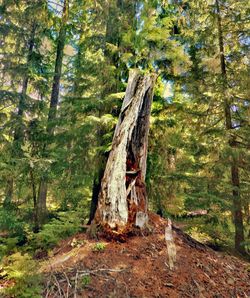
(139, 268)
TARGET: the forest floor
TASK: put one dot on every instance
(139, 267)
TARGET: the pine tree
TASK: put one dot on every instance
(40, 207)
(21, 65)
(214, 72)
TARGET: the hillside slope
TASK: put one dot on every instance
(81, 267)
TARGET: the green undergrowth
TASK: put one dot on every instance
(13, 231)
(16, 235)
(65, 225)
(21, 270)
(20, 246)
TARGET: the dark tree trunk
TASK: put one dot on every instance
(36, 226)
(171, 166)
(102, 158)
(122, 201)
(43, 185)
(237, 208)
(41, 205)
(235, 176)
(58, 69)
(95, 192)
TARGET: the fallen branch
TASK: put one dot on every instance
(76, 280)
(68, 284)
(87, 272)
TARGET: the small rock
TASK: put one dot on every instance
(168, 284)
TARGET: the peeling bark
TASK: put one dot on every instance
(122, 201)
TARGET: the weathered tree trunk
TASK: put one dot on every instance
(235, 176)
(122, 201)
(43, 187)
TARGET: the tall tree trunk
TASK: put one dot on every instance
(36, 228)
(122, 201)
(235, 177)
(41, 202)
(238, 216)
(171, 167)
(58, 69)
(43, 185)
(18, 132)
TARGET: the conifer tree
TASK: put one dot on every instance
(21, 64)
(40, 208)
(214, 72)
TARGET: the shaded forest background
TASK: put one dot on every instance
(64, 68)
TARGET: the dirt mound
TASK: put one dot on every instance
(139, 267)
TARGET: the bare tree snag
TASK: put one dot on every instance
(122, 201)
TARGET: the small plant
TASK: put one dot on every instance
(99, 246)
(86, 280)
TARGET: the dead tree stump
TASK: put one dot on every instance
(122, 201)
